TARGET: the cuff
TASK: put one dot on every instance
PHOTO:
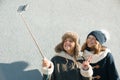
(87, 73)
(48, 71)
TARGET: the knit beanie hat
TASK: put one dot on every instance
(101, 35)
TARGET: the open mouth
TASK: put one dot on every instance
(67, 47)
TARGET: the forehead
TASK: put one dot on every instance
(91, 36)
(69, 38)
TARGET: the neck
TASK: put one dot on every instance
(89, 49)
(70, 53)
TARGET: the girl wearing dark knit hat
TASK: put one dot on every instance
(102, 60)
(67, 64)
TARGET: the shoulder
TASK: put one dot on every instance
(109, 57)
(109, 54)
(57, 58)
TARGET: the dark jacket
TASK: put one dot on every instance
(103, 66)
(66, 69)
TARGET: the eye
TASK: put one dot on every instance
(71, 41)
(65, 40)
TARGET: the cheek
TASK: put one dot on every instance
(73, 45)
(94, 42)
(91, 43)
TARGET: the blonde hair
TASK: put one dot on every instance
(96, 50)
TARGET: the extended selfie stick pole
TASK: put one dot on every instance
(20, 10)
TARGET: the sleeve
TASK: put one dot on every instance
(111, 68)
(47, 72)
(87, 73)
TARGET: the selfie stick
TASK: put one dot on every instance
(20, 10)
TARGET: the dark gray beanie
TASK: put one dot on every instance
(100, 36)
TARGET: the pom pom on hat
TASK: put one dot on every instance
(106, 33)
(101, 35)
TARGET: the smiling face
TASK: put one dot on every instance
(69, 45)
(91, 41)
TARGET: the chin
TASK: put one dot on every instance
(90, 46)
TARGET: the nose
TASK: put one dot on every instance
(67, 41)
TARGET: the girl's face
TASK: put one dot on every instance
(91, 41)
(69, 45)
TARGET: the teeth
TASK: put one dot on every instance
(67, 47)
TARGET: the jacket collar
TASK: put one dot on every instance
(95, 57)
(65, 55)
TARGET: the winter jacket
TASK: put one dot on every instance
(65, 68)
(103, 65)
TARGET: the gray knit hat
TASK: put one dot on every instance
(101, 35)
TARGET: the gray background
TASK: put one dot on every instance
(49, 19)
